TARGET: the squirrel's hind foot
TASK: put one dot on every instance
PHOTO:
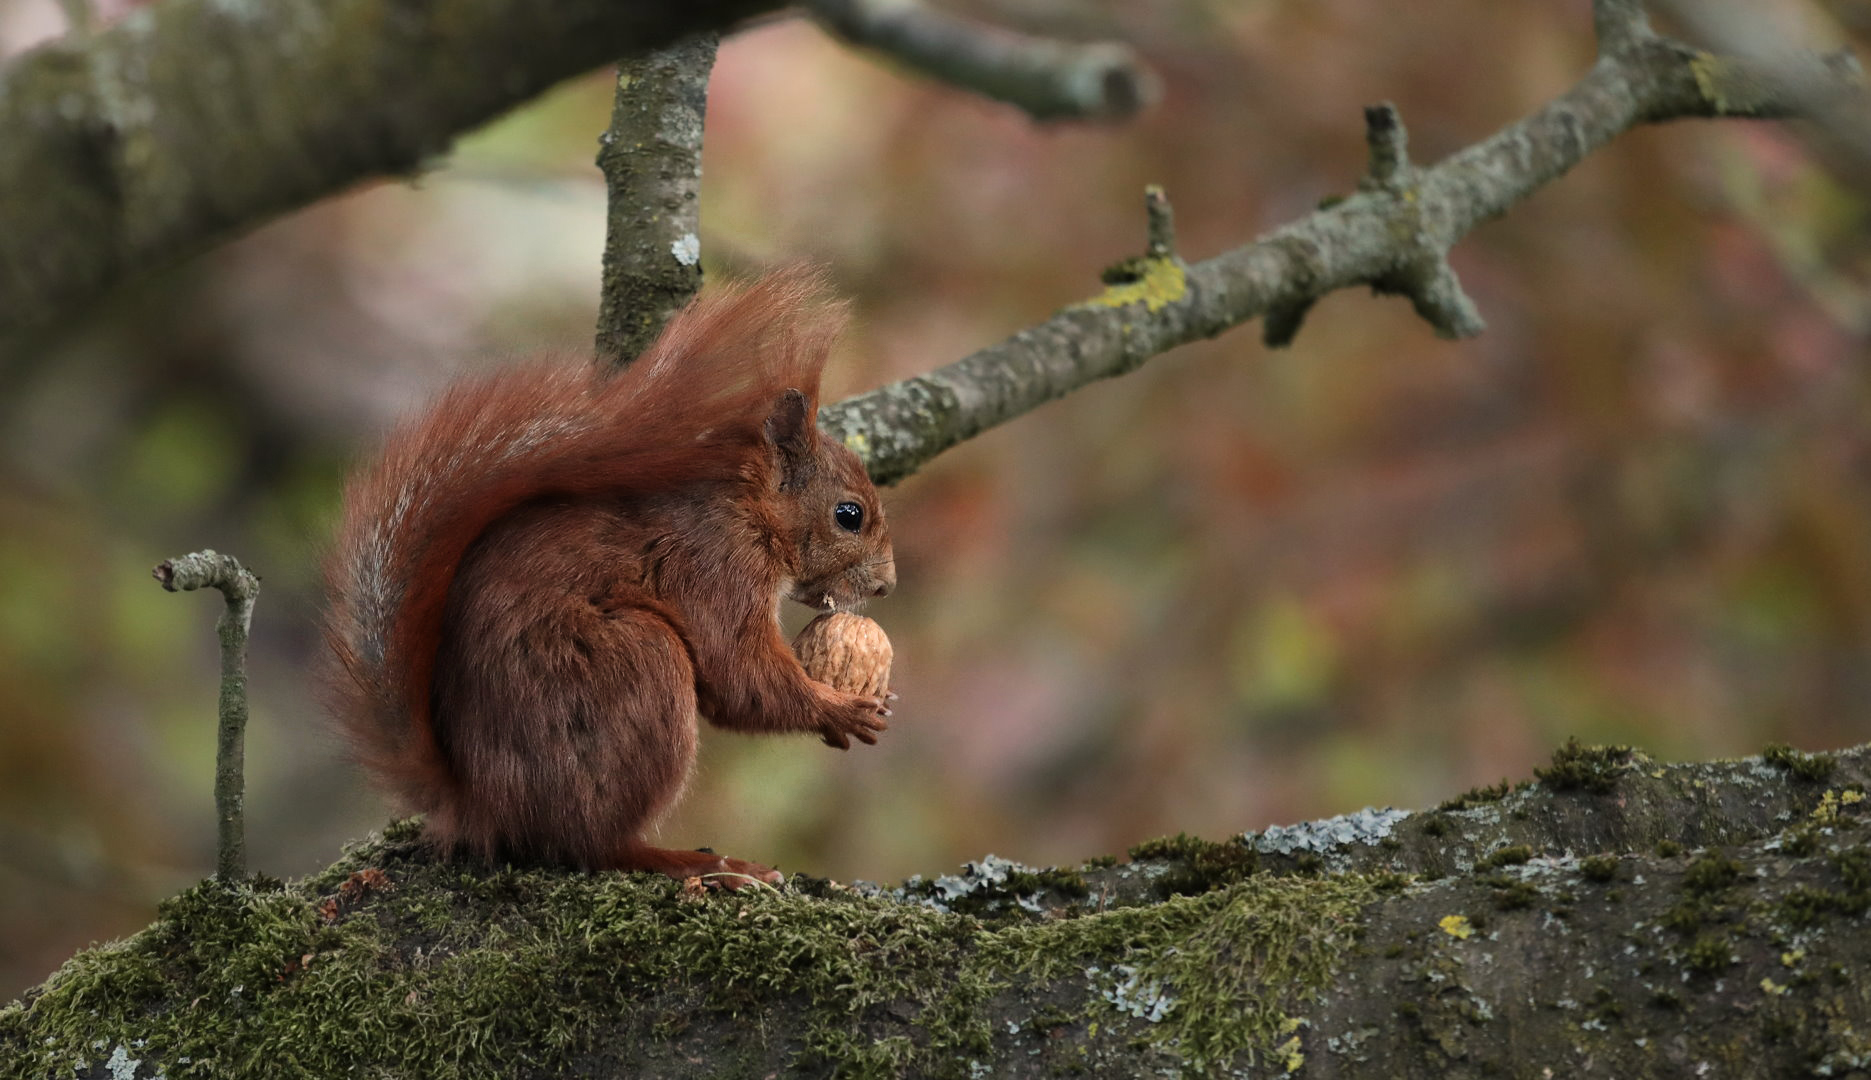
(714, 870)
(739, 874)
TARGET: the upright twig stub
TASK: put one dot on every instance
(1389, 145)
(1162, 227)
(652, 161)
(210, 569)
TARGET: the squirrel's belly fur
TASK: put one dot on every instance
(571, 684)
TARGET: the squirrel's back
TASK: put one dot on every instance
(689, 411)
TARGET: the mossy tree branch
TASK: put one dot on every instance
(137, 154)
(190, 120)
(239, 588)
(1576, 922)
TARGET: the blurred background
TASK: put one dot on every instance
(1238, 587)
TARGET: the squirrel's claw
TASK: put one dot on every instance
(858, 717)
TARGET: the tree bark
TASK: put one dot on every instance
(193, 119)
(1614, 917)
(652, 161)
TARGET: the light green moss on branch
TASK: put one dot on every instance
(441, 970)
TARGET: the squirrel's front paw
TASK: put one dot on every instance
(857, 716)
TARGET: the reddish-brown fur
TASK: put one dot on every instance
(545, 578)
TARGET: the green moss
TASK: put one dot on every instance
(1685, 918)
(1179, 846)
(1711, 874)
(1806, 906)
(529, 968)
(1512, 894)
(1513, 855)
(1803, 906)
(1100, 862)
(1197, 865)
(1854, 869)
(1811, 768)
(1234, 961)
(447, 971)
(1800, 841)
(1051, 886)
(1668, 849)
(1704, 882)
(1479, 796)
(1435, 825)
(1576, 767)
(1599, 868)
(1710, 955)
(403, 831)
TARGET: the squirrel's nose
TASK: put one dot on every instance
(886, 579)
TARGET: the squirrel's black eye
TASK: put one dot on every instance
(849, 516)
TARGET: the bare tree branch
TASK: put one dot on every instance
(1840, 111)
(1048, 79)
(192, 119)
(1394, 235)
(652, 162)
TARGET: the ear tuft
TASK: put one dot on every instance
(793, 431)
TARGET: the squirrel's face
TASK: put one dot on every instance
(844, 543)
(833, 514)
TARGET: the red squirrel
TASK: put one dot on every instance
(547, 577)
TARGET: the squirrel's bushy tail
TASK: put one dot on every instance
(690, 410)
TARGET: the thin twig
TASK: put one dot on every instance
(1162, 223)
(209, 569)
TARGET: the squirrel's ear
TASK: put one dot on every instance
(792, 429)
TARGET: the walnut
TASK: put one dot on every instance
(847, 651)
